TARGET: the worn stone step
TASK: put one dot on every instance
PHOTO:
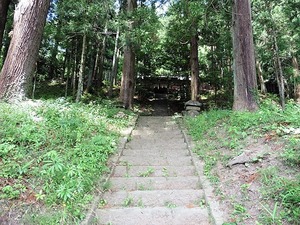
(158, 140)
(151, 171)
(167, 198)
(155, 161)
(153, 183)
(172, 152)
(149, 146)
(164, 147)
(153, 216)
(156, 133)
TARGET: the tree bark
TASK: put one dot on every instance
(3, 17)
(81, 71)
(279, 73)
(114, 68)
(19, 65)
(245, 82)
(194, 68)
(101, 60)
(263, 88)
(128, 74)
(296, 79)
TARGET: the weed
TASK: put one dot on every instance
(201, 203)
(147, 173)
(102, 203)
(165, 172)
(128, 201)
(170, 205)
(106, 186)
(140, 203)
(271, 216)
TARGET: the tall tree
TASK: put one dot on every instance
(29, 21)
(3, 16)
(128, 73)
(245, 83)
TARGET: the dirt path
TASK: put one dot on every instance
(156, 181)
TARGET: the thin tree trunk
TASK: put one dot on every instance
(81, 71)
(245, 83)
(296, 79)
(19, 65)
(263, 88)
(52, 72)
(279, 74)
(4, 4)
(114, 69)
(68, 69)
(74, 69)
(101, 60)
(95, 68)
(194, 68)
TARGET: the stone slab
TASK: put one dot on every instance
(153, 216)
(153, 183)
(159, 171)
(168, 198)
(155, 161)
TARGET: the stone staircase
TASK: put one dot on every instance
(155, 181)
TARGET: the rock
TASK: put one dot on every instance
(191, 108)
(193, 103)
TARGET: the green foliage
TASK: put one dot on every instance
(283, 191)
(58, 150)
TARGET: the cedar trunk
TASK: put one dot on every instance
(128, 73)
(297, 80)
(245, 82)
(3, 17)
(194, 68)
(19, 65)
(82, 67)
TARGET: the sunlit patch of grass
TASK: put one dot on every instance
(55, 151)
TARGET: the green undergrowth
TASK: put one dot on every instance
(52, 153)
(221, 134)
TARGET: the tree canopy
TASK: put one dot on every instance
(84, 42)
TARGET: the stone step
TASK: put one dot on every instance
(155, 161)
(158, 140)
(152, 133)
(147, 147)
(156, 152)
(161, 198)
(156, 146)
(153, 216)
(151, 171)
(153, 183)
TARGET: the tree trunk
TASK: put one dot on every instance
(114, 69)
(127, 83)
(279, 74)
(19, 65)
(101, 60)
(296, 79)
(81, 71)
(194, 68)
(3, 17)
(263, 88)
(245, 83)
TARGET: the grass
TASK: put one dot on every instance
(221, 134)
(52, 153)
